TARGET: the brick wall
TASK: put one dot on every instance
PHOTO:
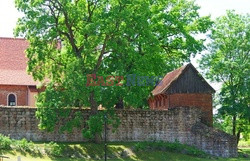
(181, 124)
(201, 100)
(19, 91)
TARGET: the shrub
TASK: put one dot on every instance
(19, 145)
(172, 147)
(140, 146)
(5, 142)
(24, 145)
(53, 149)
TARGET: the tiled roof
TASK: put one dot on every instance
(13, 62)
(16, 77)
(171, 77)
(167, 80)
(12, 54)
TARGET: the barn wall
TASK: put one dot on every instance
(19, 91)
(159, 102)
(200, 100)
(178, 124)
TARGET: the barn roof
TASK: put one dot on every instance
(13, 62)
(171, 77)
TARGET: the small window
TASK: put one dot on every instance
(11, 100)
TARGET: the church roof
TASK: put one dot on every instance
(13, 62)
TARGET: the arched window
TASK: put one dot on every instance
(11, 100)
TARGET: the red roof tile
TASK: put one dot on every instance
(167, 80)
(13, 62)
(16, 77)
(12, 55)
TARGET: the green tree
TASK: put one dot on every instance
(104, 38)
(229, 62)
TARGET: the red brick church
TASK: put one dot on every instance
(17, 88)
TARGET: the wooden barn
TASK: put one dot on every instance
(184, 87)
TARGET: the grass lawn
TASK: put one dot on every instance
(96, 152)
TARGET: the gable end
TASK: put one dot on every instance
(190, 81)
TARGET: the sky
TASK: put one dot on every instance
(215, 8)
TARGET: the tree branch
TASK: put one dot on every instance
(101, 54)
(70, 33)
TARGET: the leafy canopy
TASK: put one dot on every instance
(104, 37)
(229, 62)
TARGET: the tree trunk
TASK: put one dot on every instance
(234, 125)
(94, 111)
(119, 104)
(238, 136)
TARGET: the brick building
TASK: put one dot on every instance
(181, 87)
(184, 87)
(17, 88)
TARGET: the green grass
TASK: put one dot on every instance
(96, 152)
(243, 143)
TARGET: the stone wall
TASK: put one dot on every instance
(181, 124)
(21, 122)
(201, 100)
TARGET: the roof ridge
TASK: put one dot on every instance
(173, 76)
(13, 38)
(3, 69)
(182, 68)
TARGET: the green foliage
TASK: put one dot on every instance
(95, 124)
(19, 145)
(229, 62)
(5, 142)
(171, 147)
(90, 151)
(23, 145)
(106, 38)
(76, 121)
(53, 149)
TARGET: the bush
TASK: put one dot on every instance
(53, 149)
(24, 146)
(171, 147)
(141, 146)
(19, 145)
(5, 142)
